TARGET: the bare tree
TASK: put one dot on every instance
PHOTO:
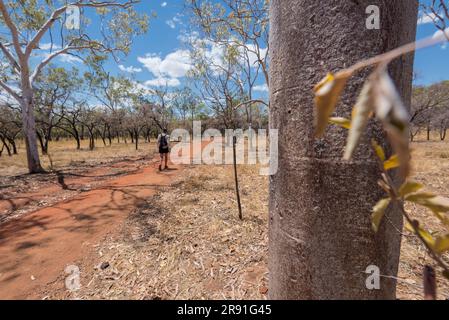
(71, 121)
(427, 106)
(54, 87)
(10, 128)
(240, 26)
(438, 12)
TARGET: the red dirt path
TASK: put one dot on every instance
(36, 248)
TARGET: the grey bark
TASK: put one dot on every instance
(320, 237)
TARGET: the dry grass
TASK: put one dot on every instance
(187, 242)
(431, 169)
(64, 154)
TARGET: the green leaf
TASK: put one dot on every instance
(409, 187)
(378, 213)
(392, 163)
(361, 113)
(379, 150)
(342, 122)
(327, 95)
(442, 244)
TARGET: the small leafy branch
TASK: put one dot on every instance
(380, 99)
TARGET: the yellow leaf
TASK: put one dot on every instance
(442, 244)
(342, 122)
(434, 203)
(427, 237)
(379, 150)
(378, 213)
(442, 217)
(437, 204)
(419, 196)
(392, 163)
(409, 187)
(361, 113)
(327, 95)
(409, 227)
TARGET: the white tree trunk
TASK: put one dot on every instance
(29, 132)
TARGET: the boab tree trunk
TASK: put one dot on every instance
(321, 241)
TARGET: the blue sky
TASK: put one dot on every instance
(160, 57)
(431, 64)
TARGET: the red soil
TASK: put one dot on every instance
(36, 248)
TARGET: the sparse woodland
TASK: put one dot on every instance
(351, 124)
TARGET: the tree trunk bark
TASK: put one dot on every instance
(320, 236)
(29, 132)
(136, 139)
(13, 144)
(443, 131)
(91, 138)
(5, 145)
(77, 138)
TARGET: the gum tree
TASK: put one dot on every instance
(27, 23)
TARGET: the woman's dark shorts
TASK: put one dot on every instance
(164, 151)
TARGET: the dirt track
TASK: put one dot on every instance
(36, 248)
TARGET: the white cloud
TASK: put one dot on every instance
(253, 56)
(69, 59)
(439, 35)
(64, 58)
(163, 4)
(176, 20)
(45, 49)
(48, 46)
(426, 18)
(171, 24)
(188, 37)
(215, 52)
(261, 88)
(129, 69)
(161, 82)
(174, 65)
